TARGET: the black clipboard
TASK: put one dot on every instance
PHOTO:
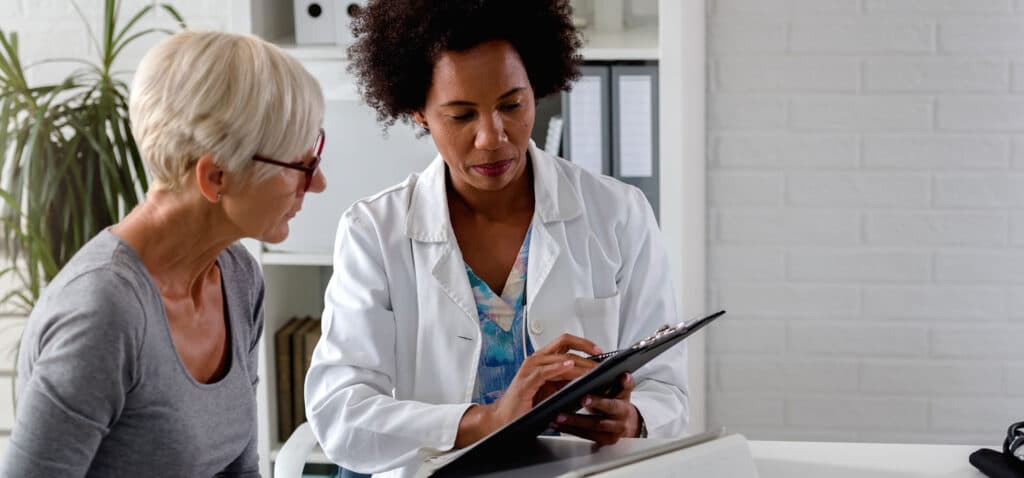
(498, 447)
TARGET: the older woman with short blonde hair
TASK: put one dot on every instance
(140, 357)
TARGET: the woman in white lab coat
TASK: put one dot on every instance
(469, 292)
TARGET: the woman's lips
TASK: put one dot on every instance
(493, 169)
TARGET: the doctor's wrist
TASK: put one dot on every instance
(640, 430)
(477, 422)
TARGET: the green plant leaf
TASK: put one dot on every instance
(131, 23)
(174, 14)
(70, 165)
(117, 50)
(88, 25)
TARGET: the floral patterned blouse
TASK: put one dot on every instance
(502, 326)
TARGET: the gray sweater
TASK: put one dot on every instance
(102, 391)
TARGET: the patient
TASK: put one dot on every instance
(466, 294)
(140, 357)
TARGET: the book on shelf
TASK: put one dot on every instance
(282, 360)
(299, 371)
(310, 337)
(294, 343)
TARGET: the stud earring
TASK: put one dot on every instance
(219, 196)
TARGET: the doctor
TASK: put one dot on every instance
(469, 292)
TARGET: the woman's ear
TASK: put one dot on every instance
(420, 120)
(209, 178)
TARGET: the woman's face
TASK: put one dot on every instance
(262, 209)
(480, 112)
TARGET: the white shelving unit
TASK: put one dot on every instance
(632, 44)
(295, 281)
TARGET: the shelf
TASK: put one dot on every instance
(296, 259)
(315, 457)
(311, 52)
(630, 44)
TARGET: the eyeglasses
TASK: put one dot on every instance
(1013, 445)
(318, 149)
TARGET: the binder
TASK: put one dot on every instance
(585, 112)
(314, 22)
(610, 124)
(635, 128)
(344, 12)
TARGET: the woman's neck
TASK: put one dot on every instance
(178, 239)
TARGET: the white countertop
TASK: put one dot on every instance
(776, 459)
(769, 459)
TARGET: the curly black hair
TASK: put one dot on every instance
(398, 42)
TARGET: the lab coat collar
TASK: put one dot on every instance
(428, 220)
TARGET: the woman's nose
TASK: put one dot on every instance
(319, 181)
(491, 133)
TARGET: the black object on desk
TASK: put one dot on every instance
(997, 465)
(1009, 463)
(495, 449)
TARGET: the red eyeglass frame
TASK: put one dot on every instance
(318, 147)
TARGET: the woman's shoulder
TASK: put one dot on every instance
(100, 292)
(385, 204)
(103, 266)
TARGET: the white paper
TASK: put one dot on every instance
(585, 123)
(636, 149)
(553, 141)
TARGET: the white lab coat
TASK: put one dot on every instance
(395, 368)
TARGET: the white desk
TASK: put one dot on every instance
(777, 459)
(725, 457)
(764, 459)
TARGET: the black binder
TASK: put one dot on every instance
(495, 449)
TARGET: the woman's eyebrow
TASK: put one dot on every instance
(470, 103)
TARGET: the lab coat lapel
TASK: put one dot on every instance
(542, 257)
(428, 223)
(450, 272)
(555, 202)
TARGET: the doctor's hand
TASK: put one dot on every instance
(607, 419)
(542, 374)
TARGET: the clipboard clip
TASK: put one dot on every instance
(661, 332)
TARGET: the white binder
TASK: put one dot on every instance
(345, 11)
(314, 22)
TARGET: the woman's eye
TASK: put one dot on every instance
(511, 106)
(462, 117)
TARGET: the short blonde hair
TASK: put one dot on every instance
(232, 96)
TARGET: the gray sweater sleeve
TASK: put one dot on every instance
(85, 360)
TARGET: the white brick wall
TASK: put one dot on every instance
(770, 151)
(38, 23)
(864, 192)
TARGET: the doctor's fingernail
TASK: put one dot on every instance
(561, 419)
(587, 401)
(567, 363)
(598, 349)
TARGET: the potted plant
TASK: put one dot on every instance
(69, 166)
